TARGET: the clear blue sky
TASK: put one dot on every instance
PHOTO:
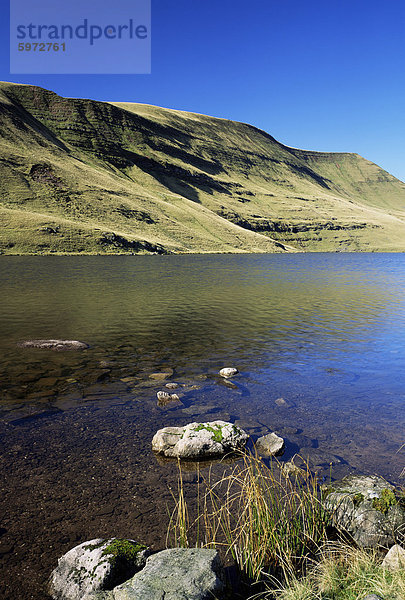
(322, 75)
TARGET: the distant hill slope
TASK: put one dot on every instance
(84, 176)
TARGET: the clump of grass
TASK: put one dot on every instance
(262, 517)
(344, 573)
(179, 524)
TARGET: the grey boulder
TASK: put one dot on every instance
(270, 445)
(199, 440)
(57, 345)
(367, 507)
(395, 558)
(178, 574)
(88, 569)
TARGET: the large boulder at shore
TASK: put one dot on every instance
(86, 570)
(58, 345)
(270, 445)
(368, 508)
(178, 574)
(199, 440)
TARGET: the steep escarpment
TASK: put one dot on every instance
(84, 176)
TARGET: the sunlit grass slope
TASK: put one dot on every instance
(84, 176)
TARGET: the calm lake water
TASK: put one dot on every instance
(318, 340)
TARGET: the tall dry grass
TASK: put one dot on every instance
(266, 519)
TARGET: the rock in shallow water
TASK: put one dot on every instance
(270, 445)
(367, 507)
(228, 372)
(181, 573)
(162, 375)
(58, 345)
(95, 566)
(164, 399)
(199, 440)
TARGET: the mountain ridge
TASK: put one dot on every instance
(84, 176)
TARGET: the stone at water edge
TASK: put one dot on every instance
(199, 440)
(58, 345)
(395, 558)
(367, 507)
(228, 372)
(95, 566)
(179, 573)
(270, 445)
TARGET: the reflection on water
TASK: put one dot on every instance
(318, 340)
(317, 317)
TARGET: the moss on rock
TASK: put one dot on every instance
(121, 549)
(216, 431)
(385, 501)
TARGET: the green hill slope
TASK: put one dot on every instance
(84, 176)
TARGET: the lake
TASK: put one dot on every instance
(318, 340)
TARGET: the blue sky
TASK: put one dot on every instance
(321, 75)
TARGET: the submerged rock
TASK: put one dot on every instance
(228, 372)
(58, 345)
(199, 440)
(281, 402)
(180, 573)
(95, 566)
(291, 469)
(162, 375)
(367, 507)
(270, 445)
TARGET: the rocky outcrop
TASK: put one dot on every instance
(181, 573)
(368, 508)
(199, 440)
(270, 445)
(57, 345)
(94, 566)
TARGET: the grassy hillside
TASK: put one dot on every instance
(85, 176)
